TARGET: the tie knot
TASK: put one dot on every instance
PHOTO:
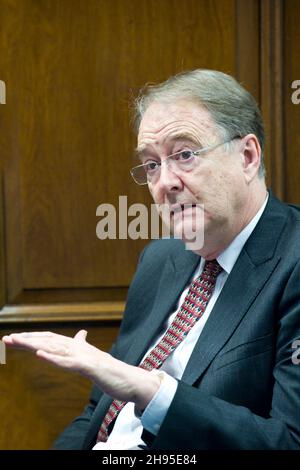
(212, 268)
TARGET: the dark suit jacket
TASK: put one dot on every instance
(240, 389)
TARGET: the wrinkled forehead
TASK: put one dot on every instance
(162, 121)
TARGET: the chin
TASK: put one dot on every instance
(191, 235)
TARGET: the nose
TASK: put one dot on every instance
(168, 179)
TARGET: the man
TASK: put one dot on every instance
(230, 309)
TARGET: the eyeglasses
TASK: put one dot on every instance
(181, 162)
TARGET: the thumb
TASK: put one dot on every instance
(81, 335)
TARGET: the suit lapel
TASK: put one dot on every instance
(250, 273)
(227, 314)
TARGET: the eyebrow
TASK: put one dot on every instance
(140, 151)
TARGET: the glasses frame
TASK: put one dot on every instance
(195, 153)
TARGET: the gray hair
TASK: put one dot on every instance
(231, 106)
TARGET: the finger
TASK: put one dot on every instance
(18, 341)
(7, 340)
(81, 335)
(55, 345)
(36, 334)
(14, 338)
(14, 342)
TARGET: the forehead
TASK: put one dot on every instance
(166, 121)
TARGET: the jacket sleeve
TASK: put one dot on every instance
(73, 436)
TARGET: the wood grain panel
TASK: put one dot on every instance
(71, 68)
(62, 312)
(2, 251)
(247, 45)
(38, 400)
(272, 93)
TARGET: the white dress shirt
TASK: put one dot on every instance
(128, 427)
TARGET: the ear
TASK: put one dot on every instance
(251, 154)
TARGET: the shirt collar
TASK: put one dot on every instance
(229, 256)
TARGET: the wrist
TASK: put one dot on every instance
(150, 388)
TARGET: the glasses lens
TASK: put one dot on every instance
(139, 174)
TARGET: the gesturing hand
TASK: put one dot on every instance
(114, 377)
(71, 353)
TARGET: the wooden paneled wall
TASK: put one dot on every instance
(71, 68)
(38, 400)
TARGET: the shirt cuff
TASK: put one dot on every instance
(156, 410)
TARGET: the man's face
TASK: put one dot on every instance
(217, 182)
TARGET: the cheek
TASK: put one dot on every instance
(156, 194)
(205, 184)
(230, 190)
(217, 190)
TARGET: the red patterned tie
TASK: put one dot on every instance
(189, 313)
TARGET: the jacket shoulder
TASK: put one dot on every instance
(162, 248)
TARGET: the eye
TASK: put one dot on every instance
(151, 166)
(185, 155)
